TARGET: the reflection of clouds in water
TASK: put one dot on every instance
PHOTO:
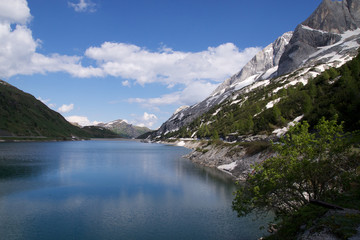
(118, 190)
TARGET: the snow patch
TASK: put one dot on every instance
(228, 167)
(180, 144)
(245, 83)
(345, 36)
(235, 102)
(217, 111)
(269, 72)
(272, 103)
(281, 131)
(180, 109)
(259, 84)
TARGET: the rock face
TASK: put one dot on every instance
(233, 160)
(330, 36)
(323, 28)
(260, 67)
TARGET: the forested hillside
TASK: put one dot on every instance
(274, 104)
(21, 114)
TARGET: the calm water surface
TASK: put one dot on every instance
(113, 190)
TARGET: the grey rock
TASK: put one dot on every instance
(330, 19)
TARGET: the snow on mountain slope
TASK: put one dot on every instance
(262, 66)
(328, 38)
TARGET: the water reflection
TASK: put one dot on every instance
(114, 190)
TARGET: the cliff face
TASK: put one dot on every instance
(260, 67)
(324, 27)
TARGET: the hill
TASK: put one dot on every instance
(21, 114)
(124, 129)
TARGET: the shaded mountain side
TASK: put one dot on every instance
(21, 114)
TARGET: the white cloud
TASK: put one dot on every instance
(146, 120)
(66, 108)
(14, 11)
(18, 47)
(191, 94)
(47, 102)
(81, 120)
(83, 6)
(18, 55)
(126, 83)
(167, 66)
(197, 72)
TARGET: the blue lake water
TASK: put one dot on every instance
(114, 190)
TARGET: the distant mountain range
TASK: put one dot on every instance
(22, 115)
(124, 129)
(329, 38)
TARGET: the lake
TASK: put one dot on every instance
(114, 190)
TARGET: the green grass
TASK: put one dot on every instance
(23, 115)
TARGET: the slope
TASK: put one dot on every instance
(328, 38)
(21, 114)
(268, 107)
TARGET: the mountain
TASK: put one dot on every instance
(21, 114)
(331, 30)
(328, 38)
(124, 129)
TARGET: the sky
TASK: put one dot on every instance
(137, 60)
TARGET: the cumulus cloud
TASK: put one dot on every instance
(191, 94)
(81, 120)
(66, 108)
(131, 63)
(168, 66)
(146, 120)
(19, 55)
(14, 11)
(83, 6)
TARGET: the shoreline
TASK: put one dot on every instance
(232, 159)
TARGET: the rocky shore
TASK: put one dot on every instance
(235, 159)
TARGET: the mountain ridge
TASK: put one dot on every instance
(307, 47)
(124, 129)
(21, 114)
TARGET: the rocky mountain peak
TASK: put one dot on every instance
(261, 66)
(325, 28)
(335, 16)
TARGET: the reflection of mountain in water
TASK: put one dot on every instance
(19, 171)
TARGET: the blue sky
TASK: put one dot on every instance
(138, 60)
